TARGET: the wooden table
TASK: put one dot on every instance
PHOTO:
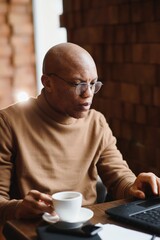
(26, 229)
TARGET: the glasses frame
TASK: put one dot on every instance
(75, 85)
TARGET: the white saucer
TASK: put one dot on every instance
(50, 218)
(84, 216)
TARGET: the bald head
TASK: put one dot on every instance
(65, 58)
(69, 79)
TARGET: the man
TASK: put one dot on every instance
(55, 142)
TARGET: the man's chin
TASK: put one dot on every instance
(80, 114)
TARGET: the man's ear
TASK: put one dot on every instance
(46, 81)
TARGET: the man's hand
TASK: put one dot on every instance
(144, 185)
(34, 204)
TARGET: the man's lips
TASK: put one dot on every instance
(85, 106)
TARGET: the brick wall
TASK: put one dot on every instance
(17, 61)
(123, 36)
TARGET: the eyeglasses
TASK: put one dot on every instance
(82, 87)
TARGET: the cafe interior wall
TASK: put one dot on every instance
(17, 52)
(28, 28)
(123, 36)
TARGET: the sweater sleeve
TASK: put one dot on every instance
(7, 206)
(112, 168)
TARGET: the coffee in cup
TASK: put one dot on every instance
(67, 205)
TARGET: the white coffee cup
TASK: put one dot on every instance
(67, 205)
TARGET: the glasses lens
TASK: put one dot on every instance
(83, 87)
(98, 86)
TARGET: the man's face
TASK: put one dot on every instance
(63, 96)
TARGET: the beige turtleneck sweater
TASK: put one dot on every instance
(41, 150)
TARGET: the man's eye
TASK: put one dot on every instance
(80, 83)
(76, 84)
(92, 83)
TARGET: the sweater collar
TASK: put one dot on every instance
(51, 113)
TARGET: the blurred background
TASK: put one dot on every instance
(123, 36)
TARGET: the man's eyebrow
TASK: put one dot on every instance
(82, 80)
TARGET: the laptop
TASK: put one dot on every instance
(144, 214)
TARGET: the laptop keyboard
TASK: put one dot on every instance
(151, 216)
